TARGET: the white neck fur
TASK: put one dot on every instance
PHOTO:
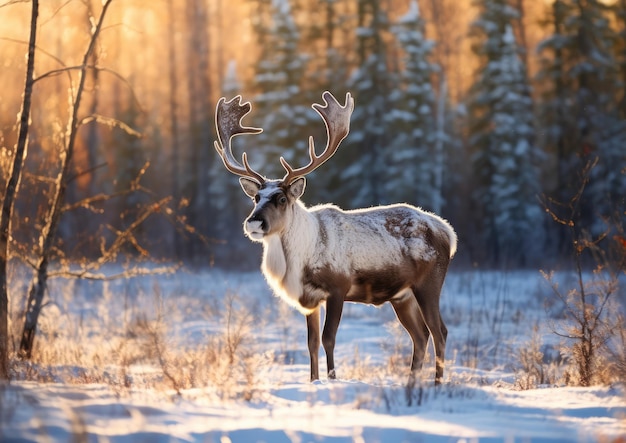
(285, 254)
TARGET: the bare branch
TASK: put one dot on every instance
(611, 287)
(130, 273)
(86, 171)
(126, 235)
(564, 298)
(126, 27)
(39, 178)
(126, 82)
(67, 69)
(56, 11)
(572, 337)
(55, 72)
(135, 183)
(110, 122)
(37, 48)
(13, 2)
(98, 198)
(547, 202)
(109, 253)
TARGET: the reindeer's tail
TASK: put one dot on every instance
(448, 231)
(452, 236)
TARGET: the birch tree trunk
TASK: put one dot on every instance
(11, 191)
(51, 221)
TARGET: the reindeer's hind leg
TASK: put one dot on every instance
(428, 299)
(408, 313)
(334, 309)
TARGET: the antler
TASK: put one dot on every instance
(337, 121)
(228, 116)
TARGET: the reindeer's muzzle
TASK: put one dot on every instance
(256, 227)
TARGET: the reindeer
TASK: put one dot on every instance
(325, 255)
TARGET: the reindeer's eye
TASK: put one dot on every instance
(282, 200)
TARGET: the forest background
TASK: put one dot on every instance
(485, 112)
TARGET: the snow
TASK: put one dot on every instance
(296, 411)
(489, 315)
(412, 15)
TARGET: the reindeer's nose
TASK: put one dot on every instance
(255, 227)
(258, 221)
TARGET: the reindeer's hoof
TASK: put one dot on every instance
(332, 375)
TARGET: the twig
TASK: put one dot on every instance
(111, 122)
(38, 48)
(13, 2)
(86, 171)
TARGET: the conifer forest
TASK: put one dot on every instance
(134, 308)
(506, 117)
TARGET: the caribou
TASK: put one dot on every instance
(324, 255)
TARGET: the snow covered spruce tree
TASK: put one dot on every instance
(501, 140)
(410, 121)
(581, 105)
(362, 159)
(280, 107)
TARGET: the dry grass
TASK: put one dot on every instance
(132, 336)
(133, 340)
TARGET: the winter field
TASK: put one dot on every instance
(214, 357)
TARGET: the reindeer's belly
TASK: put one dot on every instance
(378, 286)
(364, 286)
(374, 290)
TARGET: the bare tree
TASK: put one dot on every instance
(51, 221)
(591, 320)
(11, 191)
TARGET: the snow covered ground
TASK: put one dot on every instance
(214, 357)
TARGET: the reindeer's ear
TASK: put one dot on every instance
(296, 188)
(249, 186)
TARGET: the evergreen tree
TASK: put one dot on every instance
(504, 155)
(410, 155)
(361, 162)
(582, 106)
(324, 37)
(279, 107)
(619, 49)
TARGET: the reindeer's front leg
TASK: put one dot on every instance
(313, 332)
(334, 309)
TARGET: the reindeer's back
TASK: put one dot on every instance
(382, 235)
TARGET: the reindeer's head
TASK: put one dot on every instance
(274, 199)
